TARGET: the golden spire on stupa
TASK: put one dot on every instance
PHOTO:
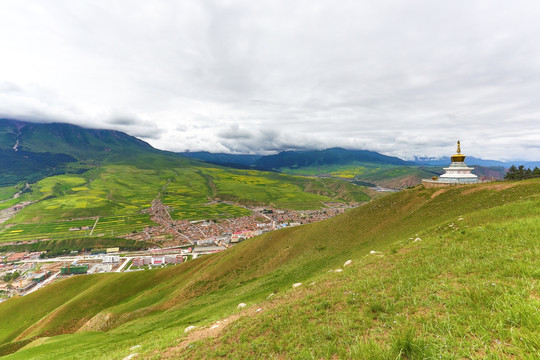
(458, 157)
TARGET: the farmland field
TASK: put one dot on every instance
(111, 225)
(118, 193)
(116, 225)
(358, 170)
(23, 232)
(210, 212)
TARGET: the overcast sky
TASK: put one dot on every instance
(400, 77)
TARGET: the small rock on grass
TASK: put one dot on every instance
(338, 270)
(417, 239)
(347, 263)
(189, 328)
(375, 252)
(241, 306)
(296, 285)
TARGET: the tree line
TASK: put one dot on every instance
(520, 173)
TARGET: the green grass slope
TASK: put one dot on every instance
(416, 299)
(32, 151)
(388, 175)
(60, 138)
(469, 290)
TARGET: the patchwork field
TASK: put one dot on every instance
(117, 225)
(209, 212)
(118, 193)
(106, 226)
(346, 171)
(381, 174)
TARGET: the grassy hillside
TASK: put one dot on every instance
(59, 138)
(395, 176)
(24, 166)
(392, 176)
(467, 288)
(361, 166)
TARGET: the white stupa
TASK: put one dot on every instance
(457, 173)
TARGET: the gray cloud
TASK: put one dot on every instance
(124, 121)
(404, 78)
(235, 132)
(10, 88)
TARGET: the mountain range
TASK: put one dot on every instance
(471, 160)
(338, 156)
(298, 159)
(32, 151)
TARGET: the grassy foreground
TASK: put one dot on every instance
(467, 289)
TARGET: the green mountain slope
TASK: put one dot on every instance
(298, 159)
(32, 151)
(359, 166)
(60, 138)
(432, 297)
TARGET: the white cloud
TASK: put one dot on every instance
(404, 78)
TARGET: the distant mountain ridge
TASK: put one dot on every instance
(61, 138)
(471, 160)
(222, 158)
(297, 159)
(337, 156)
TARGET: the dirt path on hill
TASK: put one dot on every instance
(212, 331)
(10, 212)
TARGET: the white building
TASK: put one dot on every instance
(111, 259)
